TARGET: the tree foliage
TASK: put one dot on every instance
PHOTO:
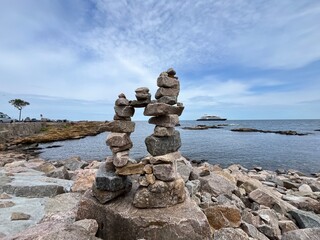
(19, 104)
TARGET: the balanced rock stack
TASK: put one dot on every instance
(108, 184)
(143, 98)
(161, 185)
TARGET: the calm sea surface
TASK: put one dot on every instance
(222, 146)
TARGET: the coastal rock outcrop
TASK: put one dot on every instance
(288, 132)
(160, 184)
(121, 220)
(161, 196)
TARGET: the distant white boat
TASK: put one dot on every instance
(211, 118)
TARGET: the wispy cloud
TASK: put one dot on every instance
(93, 50)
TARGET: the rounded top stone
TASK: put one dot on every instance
(121, 95)
(142, 90)
(171, 71)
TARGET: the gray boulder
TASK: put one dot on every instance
(164, 172)
(118, 139)
(302, 234)
(184, 168)
(121, 126)
(221, 216)
(160, 194)
(171, 100)
(62, 208)
(167, 82)
(305, 219)
(60, 172)
(109, 180)
(303, 203)
(252, 231)
(163, 131)
(124, 111)
(167, 92)
(163, 145)
(121, 220)
(54, 231)
(73, 163)
(158, 109)
(33, 184)
(217, 185)
(170, 120)
(230, 233)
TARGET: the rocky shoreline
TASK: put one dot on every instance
(42, 198)
(53, 131)
(246, 130)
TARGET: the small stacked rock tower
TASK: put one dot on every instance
(159, 183)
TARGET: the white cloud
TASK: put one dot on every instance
(92, 51)
(286, 36)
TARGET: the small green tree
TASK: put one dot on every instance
(19, 104)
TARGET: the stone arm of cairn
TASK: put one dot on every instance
(159, 183)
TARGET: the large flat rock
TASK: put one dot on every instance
(32, 206)
(157, 146)
(119, 219)
(302, 234)
(33, 184)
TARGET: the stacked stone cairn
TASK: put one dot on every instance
(160, 185)
(109, 184)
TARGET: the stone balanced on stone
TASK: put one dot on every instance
(162, 186)
(159, 183)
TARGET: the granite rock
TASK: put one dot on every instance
(131, 169)
(230, 233)
(305, 219)
(252, 231)
(302, 234)
(109, 181)
(167, 158)
(121, 220)
(19, 216)
(73, 163)
(124, 111)
(6, 204)
(163, 145)
(115, 150)
(140, 103)
(122, 102)
(163, 131)
(165, 121)
(164, 172)
(118, 139)
(217, 185)
(160, 194)
(60, 172)
(120, 159)
(143, 96)
(221, 216)
(105, 196)
(303, 203)
(121, 126)
(184, 168)
(171, 100)
(287, 225)
(167, 82)
(167, 92)
(54, 230)
(83, 180)
(90, 225)
(159, 109)
(193, 187)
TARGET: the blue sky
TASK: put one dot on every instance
(239, 59)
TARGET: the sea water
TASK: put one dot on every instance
(218, 146)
